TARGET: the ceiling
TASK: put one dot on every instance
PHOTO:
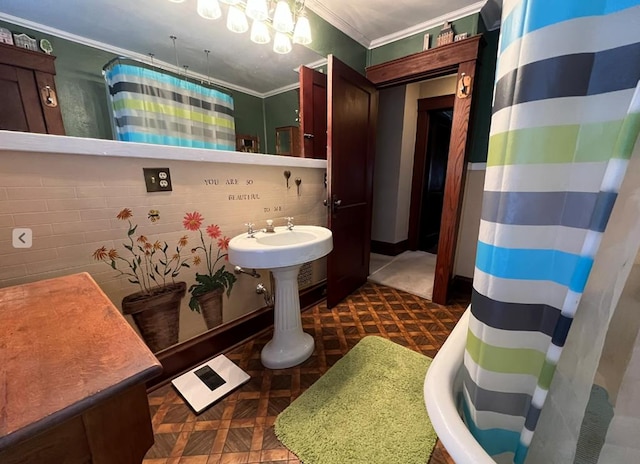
(136, 28)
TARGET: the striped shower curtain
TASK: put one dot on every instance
(566, 117)
(151, 106)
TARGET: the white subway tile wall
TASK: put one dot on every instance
(71, 202)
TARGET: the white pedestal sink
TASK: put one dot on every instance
(283, 252)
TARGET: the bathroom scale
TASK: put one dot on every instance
(207, 383)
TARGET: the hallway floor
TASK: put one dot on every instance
(411, 271)
(239, 429)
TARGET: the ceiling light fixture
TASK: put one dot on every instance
(287, 17)
(209, 9)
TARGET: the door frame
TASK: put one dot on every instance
(420, 159)
(460, 57)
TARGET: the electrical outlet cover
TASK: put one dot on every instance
(157, 179)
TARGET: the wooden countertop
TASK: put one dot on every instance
(64, 348)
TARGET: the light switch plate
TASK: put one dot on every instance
(157, 179)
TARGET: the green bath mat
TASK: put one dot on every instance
(368, 408)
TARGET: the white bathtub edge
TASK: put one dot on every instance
(441, 403)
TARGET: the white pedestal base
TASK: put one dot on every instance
(290, 345)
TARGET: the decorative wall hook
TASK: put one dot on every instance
(298, 182)
(48, 96)
(287, 175)
(464, 86)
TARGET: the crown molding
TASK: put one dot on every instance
(318, 8)
(121, 52)
(451, 16)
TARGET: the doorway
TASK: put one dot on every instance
(433, 135)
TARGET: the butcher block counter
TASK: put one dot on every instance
(72, 376)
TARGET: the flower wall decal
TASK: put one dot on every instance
(214, 278)
(146, 263)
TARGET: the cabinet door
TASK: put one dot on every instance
(21, 110)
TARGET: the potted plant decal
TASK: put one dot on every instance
(206, 293)
(153, 267)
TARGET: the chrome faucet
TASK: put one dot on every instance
(269, 228)
(289, 223)
(250, 229)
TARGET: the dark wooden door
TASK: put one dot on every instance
(439, 135)
(430, 160)
(21, 109)
(352, 113)
(313, 113)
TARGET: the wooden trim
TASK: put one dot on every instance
(52, 116)
(460, 56)
(389, 249)
(453, 190)
(28, 59)
(420, 161)
(184, 356)
(428, 63)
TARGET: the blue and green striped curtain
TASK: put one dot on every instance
(566, 116)
(150, 106)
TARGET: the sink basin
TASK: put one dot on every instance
(283, 252)
(280, 248)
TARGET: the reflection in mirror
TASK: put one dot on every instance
(203, 52)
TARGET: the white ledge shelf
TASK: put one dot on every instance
(26, 142)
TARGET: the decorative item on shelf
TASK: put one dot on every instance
(248, 143)
(153, 267)
(24, 41)
(287, 19)
(206, 293)
(446, 34)
(46, 46)
(459, 37)
(6, 36)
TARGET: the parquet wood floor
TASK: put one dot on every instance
(239, 429)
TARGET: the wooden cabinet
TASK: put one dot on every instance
(73, 377)
(28, 92)
(288, 141)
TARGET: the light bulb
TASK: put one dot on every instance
(260, 32)
(283, 18)
(236, 20)
(257, 9)
(209, 9)
(281, 43)
(302, 33)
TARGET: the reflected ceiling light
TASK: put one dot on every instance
(283, 18)
(257, 9)
(302, 32)
(281, 43)
(289, 20)
(209, 9)
(260, 32)
(236, 20)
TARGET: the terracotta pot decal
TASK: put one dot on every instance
(211, 307)
(157, 314)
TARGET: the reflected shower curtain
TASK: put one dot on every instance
(151, 106)
(566, 117)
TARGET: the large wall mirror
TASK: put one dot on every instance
(172, 37)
